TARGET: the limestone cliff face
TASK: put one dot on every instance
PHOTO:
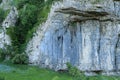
(85, 33)
(6, 4)
(9, 21)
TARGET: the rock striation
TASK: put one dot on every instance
(85, 33)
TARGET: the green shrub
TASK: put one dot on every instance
(6, 52)
(2, 15)
(31, 13)
(2, 78)
(75, 72)
(21, 3)
(27, 19)
(2, 54)
(20, 59)
(11, 31)
(0, 1)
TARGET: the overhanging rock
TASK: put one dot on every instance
(116, 0)
(87, 37)
(85, 13)
(97, 12)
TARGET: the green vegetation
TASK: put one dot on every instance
(24, 72)
(2, 15)
(31, 14)
(73, 24)
(78, 75)
(0, 1)
(5, 52)
(2, 78)
(75, 72)
(20, 59)
(2, 55)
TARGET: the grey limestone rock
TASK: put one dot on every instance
(9, 21)
(83, 32)
(6, 4)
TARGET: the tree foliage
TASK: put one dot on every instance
(20, 59)
(26, 21)
(2, 15)
(31, 13)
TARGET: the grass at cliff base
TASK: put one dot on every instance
(25, 72)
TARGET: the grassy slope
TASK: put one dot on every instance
(23, 72)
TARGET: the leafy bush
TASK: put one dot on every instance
(11, 53)
(11, 31)
(20, 59)
(28, 17)
(21, 3)
(78, 75)
(75, 72)
(0, 1)
(1, 78)
(31, 13)
(7, 53)
(2, 54)
(2, 15)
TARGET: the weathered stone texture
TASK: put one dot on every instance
(81, 32)
(9, 21)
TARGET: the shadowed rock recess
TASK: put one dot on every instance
(85, 33)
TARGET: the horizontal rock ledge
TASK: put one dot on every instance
(97, 12)
(106, 18)
(85, 13)
(116, 0)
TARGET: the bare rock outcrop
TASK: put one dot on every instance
(85, 33)
(9, 21)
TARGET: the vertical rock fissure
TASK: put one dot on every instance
(116, 46)
(52, 50)
(62, 47)
(80, 46)
(114, 7)
(100, 30)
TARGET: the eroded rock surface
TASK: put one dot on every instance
(83, 32)
(6, 4)
(9, 21)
